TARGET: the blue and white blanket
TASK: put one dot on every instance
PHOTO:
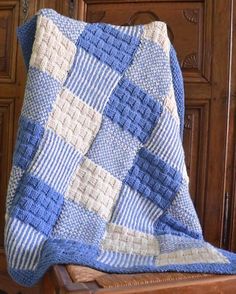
(98, 175)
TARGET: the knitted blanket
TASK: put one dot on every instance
(98, 176)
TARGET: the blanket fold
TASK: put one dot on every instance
(99, 177)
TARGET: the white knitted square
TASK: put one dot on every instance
(95, 188)
(170, 104)
(157, 32)
(52, 52)
(206, 254)
(122, 239)
(74, 120)
(15, 177)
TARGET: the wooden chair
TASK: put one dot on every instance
(78, 279)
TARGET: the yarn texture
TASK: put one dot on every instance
(99, 176)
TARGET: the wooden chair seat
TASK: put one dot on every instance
(79, 279)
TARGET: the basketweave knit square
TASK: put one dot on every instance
(109, 45)
(95, 188)
(133, 110)
(75, 121)
(29, 136)
(129, 241)
(154, 178)
(52, 51)
(39, 204)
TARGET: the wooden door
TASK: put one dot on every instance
(201, 31)
(9, 97)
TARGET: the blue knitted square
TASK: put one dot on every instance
(91, 80)
(25, 245)
(15, 177)
(134, 31)
(154, 178)
(109, 45)
(133, 109)
(74, 222)
(55, 161)
(117, 260)
(183, 210)
(167, 224)
(171, 243)
(150, 70)
(26, 36)
(178, 84)
(136, 212)
(40, 93)
(114, 149)
(180, 218)
(70, 28)
(28, 138)
(166, 143)
(37, 204)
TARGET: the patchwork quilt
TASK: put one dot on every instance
(99, 177)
